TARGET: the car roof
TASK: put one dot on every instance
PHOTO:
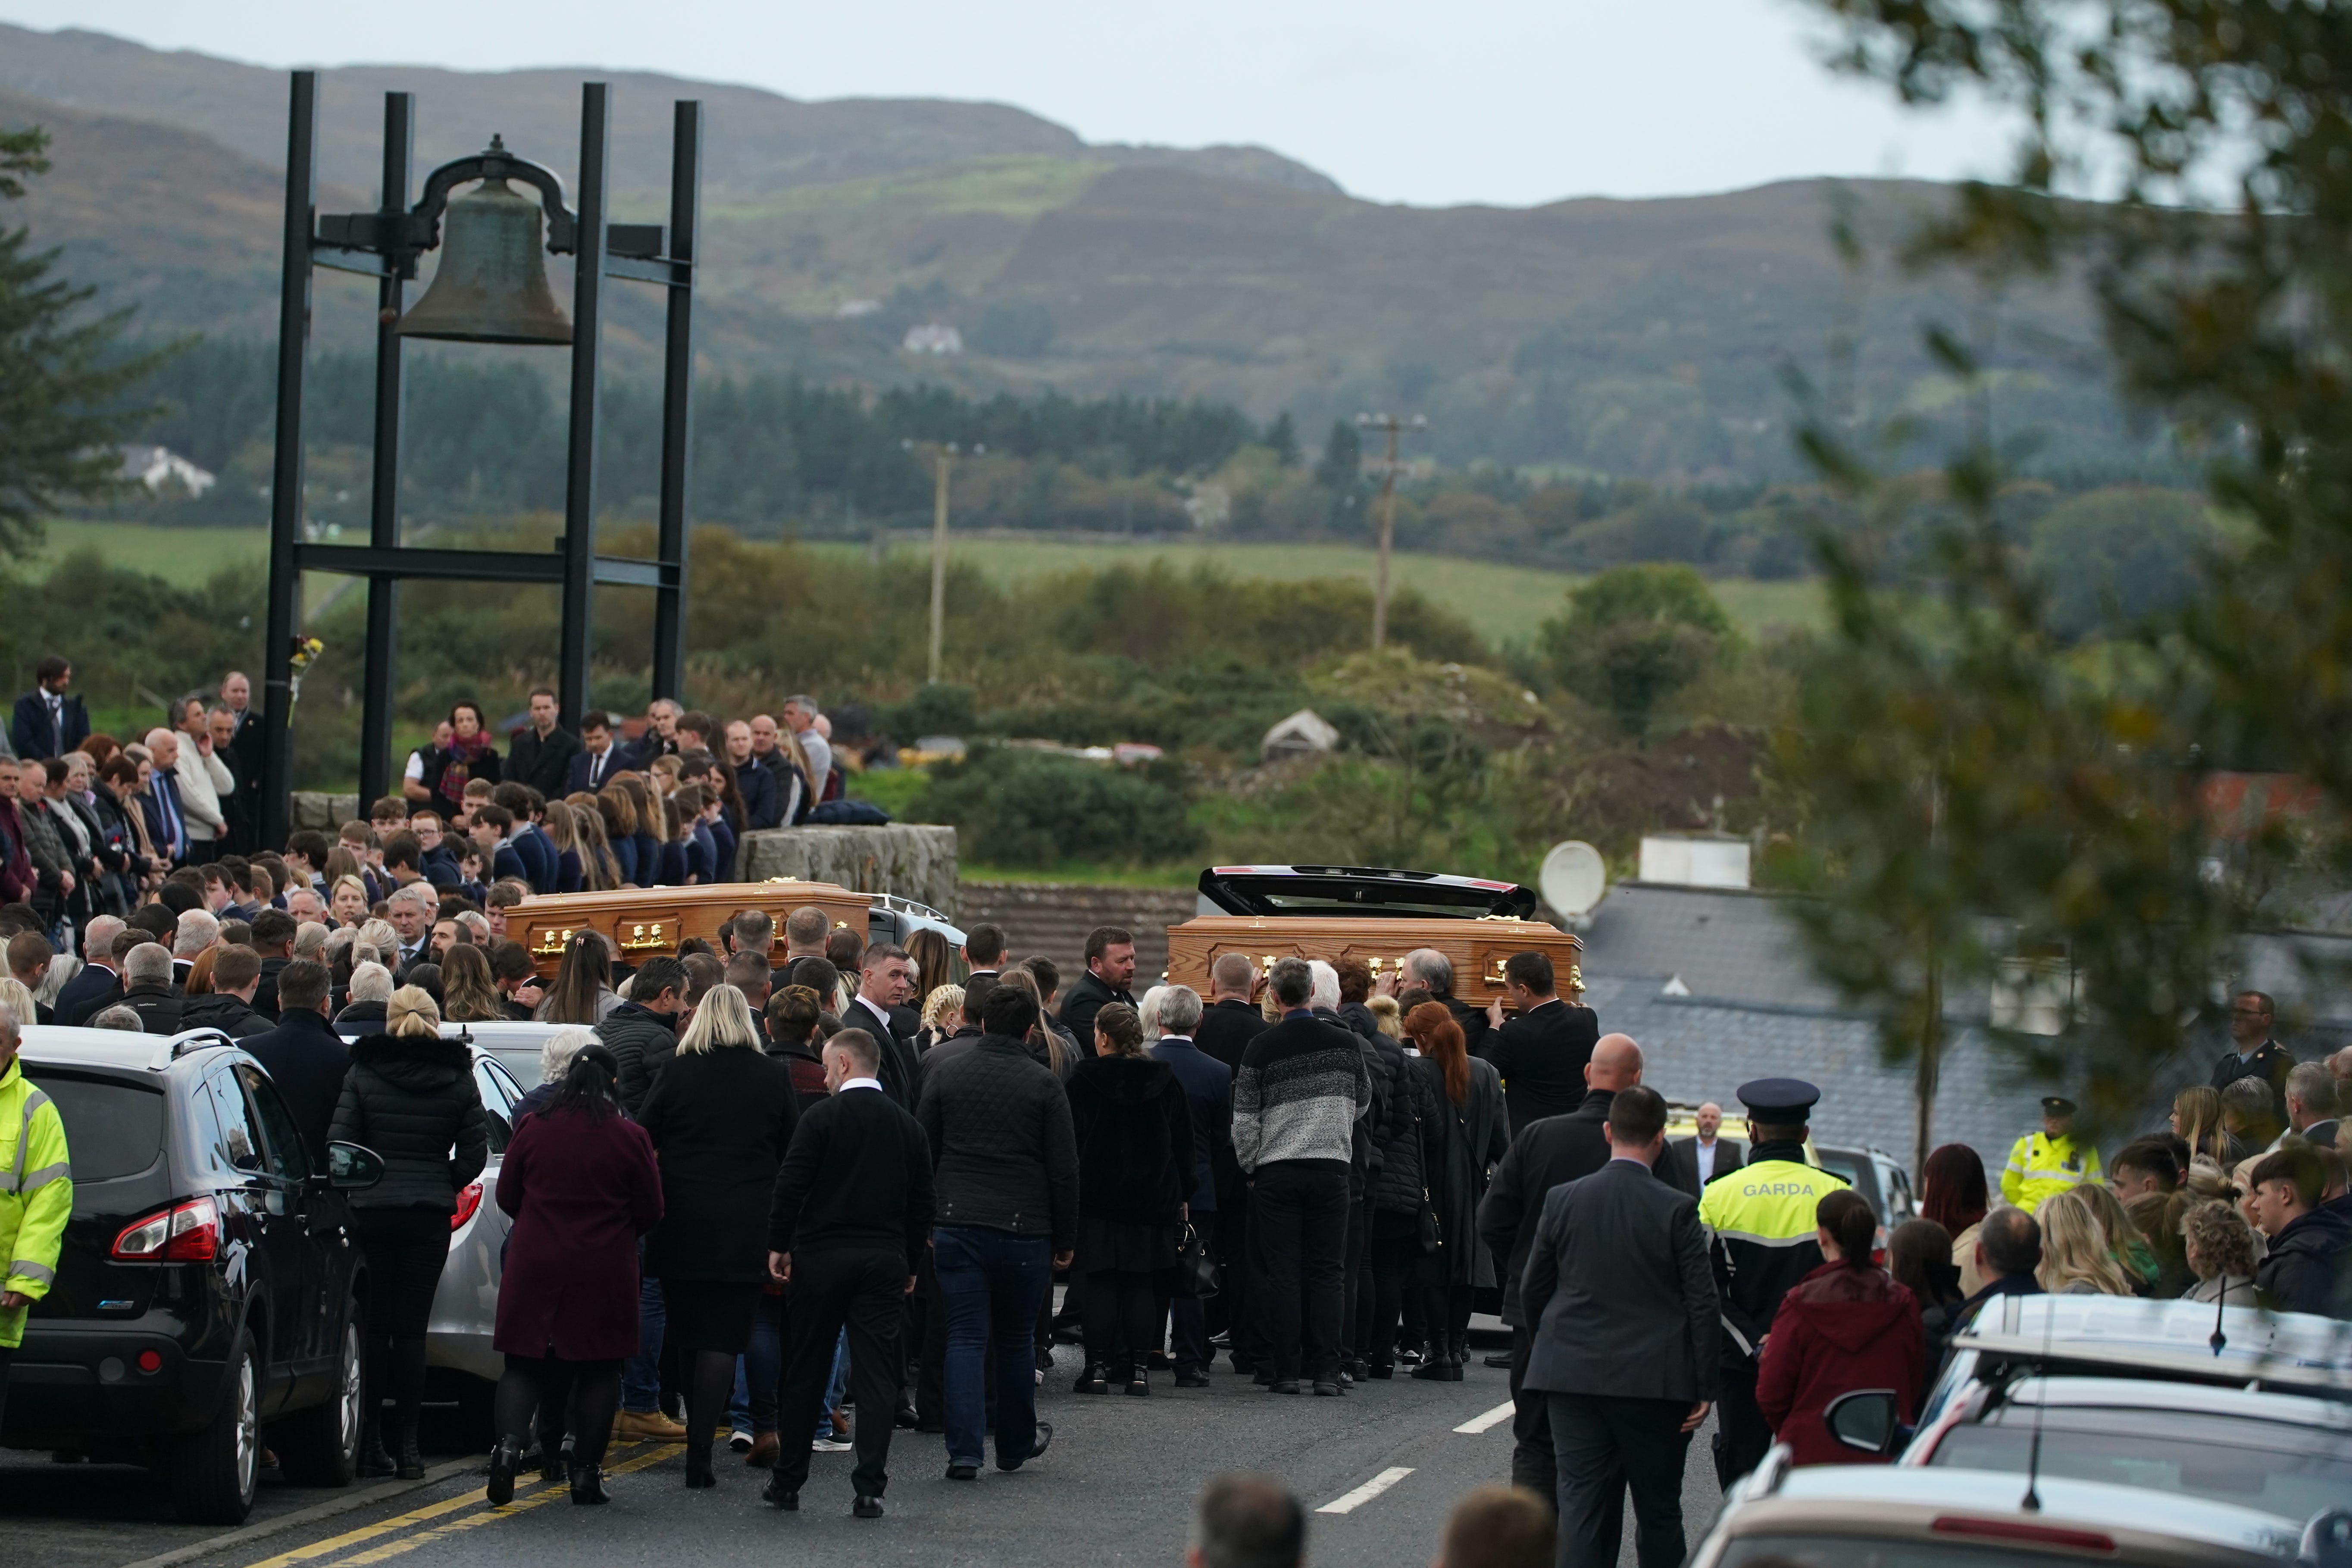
(1897, 1496)
(55, 1045)
(2168, 1338)
(1359, 890)
(505, 1031)
(2144, 1393)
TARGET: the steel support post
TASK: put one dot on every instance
(580, 471)
(282, 620)
(677, 402)
(381, 678)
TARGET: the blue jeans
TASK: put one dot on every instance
(641, 1373)
(1188, 1336)
(992, 1283)
(757, 1370)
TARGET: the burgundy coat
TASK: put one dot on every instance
(1840, 1329)
(581, 1192)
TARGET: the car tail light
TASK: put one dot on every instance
(2024, 1529)
(185, 1232)
(151, 1361)
(469, 1200)
(1878, 1249)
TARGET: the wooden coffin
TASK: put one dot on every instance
(1477, 947)
(642, 922)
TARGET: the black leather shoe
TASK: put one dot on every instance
(963, 1472)
(1435, 1371)
(1044, 1441)
(506, 1459)
(1328, 1390)
(1381, 1369)
(1140, 1385)
(1192, 1380)
(1095, 1379)
(775, 1496)
(1499, 1362)
(698, 1473)
(376, 1459)
(904, 1418)
(588, 1484)
(1284, 1385)
(411, 1466)
(867, 1507)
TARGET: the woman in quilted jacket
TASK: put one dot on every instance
(1847, 1325)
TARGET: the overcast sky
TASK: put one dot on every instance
(1514, 101)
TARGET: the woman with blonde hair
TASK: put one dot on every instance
(563, 831)
(721, 1115)
(410, 1096)
(1387, 1017)
(342, 862)
(2197, 1119)
(347, 899)
(2078, 1259)
(943, 1016)
(2131, 1249)
(599, 871)
(650, 821)
(469, 994)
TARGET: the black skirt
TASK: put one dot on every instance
(1124, 1246)
(711, 1314)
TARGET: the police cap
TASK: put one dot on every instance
(2057, 1105)
(1779, 1099)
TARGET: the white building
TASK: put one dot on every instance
(933, 338)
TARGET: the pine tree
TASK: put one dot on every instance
(1282, 436)
(1342, 458)
(62, 374)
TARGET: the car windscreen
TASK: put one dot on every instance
(2292, 1472)
(113, 1128)
(1864, 1552)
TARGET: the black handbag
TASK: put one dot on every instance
(1194, 1266)
(1427, 1231)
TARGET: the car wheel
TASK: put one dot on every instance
(320, 1446)
(213, 1472)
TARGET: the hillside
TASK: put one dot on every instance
(1643, 338)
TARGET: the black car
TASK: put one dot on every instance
(207, 1299)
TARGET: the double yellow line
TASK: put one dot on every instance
(391, 1538)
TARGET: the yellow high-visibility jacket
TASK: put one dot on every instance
(2040, 1166)
(36, 1195)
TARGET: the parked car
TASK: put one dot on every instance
(1837, 1516)
(207, 1299)
(460, 1367)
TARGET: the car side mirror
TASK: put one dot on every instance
(1863, 1419)
(2328, 1541)
(353, 1168)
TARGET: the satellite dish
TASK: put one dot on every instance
(1574, 877)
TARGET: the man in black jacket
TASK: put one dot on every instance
(1623, 1298)
(304, 1056)
(1546, 1155)
(984, 954)
(2308, 1264)
(541, 754)
(1209, 1094)
(884, 981)
(1541, 1052)
(1006, 1159)
(1231, 1019)
(1427, 967)
(98, 982)
(237, 972)
(1693, 1163)
(1110, 967)
(273, 937)
(1229, 1023)
(147, 988)
(852, 1212)
(643, 1030)
(2254, 1051)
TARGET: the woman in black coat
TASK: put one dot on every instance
(410, 1096)
(1135, 1162)
(1459, 1149)
(1399, 1191)
(721, 1115)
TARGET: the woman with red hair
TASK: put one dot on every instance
(1952, 1193)
(1459, 1149)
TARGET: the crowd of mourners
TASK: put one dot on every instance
(788, 1192)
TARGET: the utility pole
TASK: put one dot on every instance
(943, 454)
(1391, 426)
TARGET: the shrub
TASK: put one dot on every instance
(1014, 806)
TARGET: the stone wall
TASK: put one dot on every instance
(324, 812)
(910, 860)
(1054, 919)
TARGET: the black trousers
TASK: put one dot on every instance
(7, 1355)
(1300, 1210)
(1392, 1260)
(1122, 1313)
(865, 1291)
(1742, 1436)
(1354, 1277)
(1532, 1464)
(1229, 1309)
(406, 1251)
(1606, 1445)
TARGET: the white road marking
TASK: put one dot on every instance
(1348, 1502)
(1495, 1417)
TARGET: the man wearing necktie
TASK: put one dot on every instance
(167, 825)
(48, 723)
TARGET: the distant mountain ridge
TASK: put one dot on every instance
(1638, 338)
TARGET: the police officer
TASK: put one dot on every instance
(36, 1195)
(1762, 1225)
(2044, 1164)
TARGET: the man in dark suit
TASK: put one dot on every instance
(48, 723)
(2254, 1051)
(1543, 1051)
(1231, 1019)
(885, 980)
(592, 767)
(98, 982)
(1110, 967)
(1209, 1092)
(541, 754)
(247, 742)
(852, 1211)
(1550, 1153)
(1428, 968)
(1623, 1297)
(984, 951)
(1691, 1163)
(167, 823)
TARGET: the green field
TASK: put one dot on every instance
(1505, 603)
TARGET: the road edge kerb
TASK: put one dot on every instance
(345, 1503)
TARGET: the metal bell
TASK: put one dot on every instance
(491, 285)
